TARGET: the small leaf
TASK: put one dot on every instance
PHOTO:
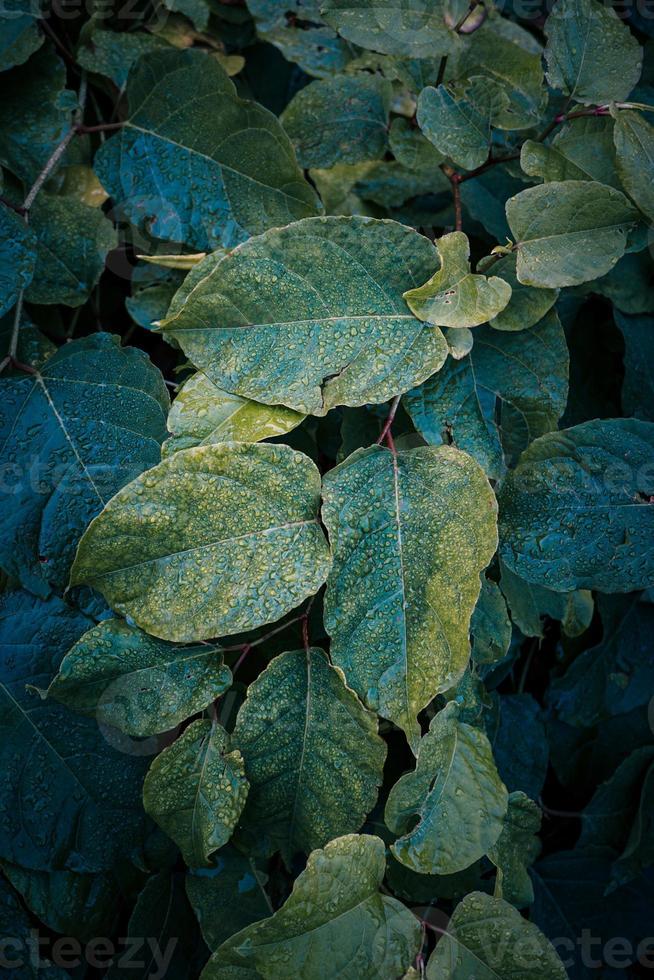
(311, 315)
(454, 297)
(410, 535)
(91, 420)
(510, 388)
(591, 56)
(450, 809)
(527, 305)
(490, 627)
(335, 924)
(19, 33)
(312, 755)
(638, 383)
(582, 149)
(516, 849)
(235, 524)
(576, 513)
(136, 683)
(298, 30)
(203, 414)
(458, 122)
(568, 232)
(634, 147)
(530, 604)
(196, 789)
(339, 120)
(487, 937)
(244, 174)
(520, 744)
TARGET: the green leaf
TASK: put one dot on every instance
(35, 114)
(339, 120)
(113, 53)
(410, 535)
(69, 800)
(576, 511)
(236, 524)
(19, 33)
(414, 30)
(312, 755)
(89, 421)
(203, 414)
(520, 744)
(508, 56)
(591, 56)
(153, 288)
(487, 938)
(568, 232)
(530, 604)
(311, 316)
(490, 627)
(298, 30)
(510, 389)
(33, 347)
(72, 242)
(582, 149)
(454, 297)
(458, 122)
(195, 163)
(17, 926)
(228, 896)
(17, 257)
(335, 924)
(410, 147)
(516, 849)
(136, 683)
(634, 148)
(196, 789)
(527, 305)
(450, 810)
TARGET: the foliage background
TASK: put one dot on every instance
(177, 742)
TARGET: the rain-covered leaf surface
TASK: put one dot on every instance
(311, 316)
(410, 533)
(250, 563)
(312, 755)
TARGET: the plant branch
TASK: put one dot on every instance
(99, 128)
(389, 419)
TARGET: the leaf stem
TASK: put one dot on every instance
(389, 420)
(99, 128)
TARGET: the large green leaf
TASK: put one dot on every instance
(69, 800)
(235, 524)
(454, 297)
(335, 924)
(515, 850)
(203, 414)
(417, 29)
(568, 232)
(17, 257)
(634, 148)
(488, 939)
(72, 241)
(339, 120)
(194, 162)
(91, 419)
(312, 755)
(311, 316)
(196, 790)
(35, 114)
(450, 810)
(591, 56)
(228, 896)
(136, 683)
(510, 389)
(458, 121)
(581, 149)
(410, 533)
(576, 511)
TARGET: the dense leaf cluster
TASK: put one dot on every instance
(327, 418)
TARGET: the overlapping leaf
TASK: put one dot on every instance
(410, 534)
(311, 316)
(235, 524)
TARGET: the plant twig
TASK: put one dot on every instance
(389, 419)
(99, 128)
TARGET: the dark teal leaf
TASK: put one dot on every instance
(91, 420)
(17, 257)
(520, 745)
(411, 30)
(638, 382)
(303, 37)
(527, 305)
(576, 511)
(634, 149)
(19, 32)
(239, 171)
(530, 604)
(490, 626)
(16, 925)
(581, 149)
